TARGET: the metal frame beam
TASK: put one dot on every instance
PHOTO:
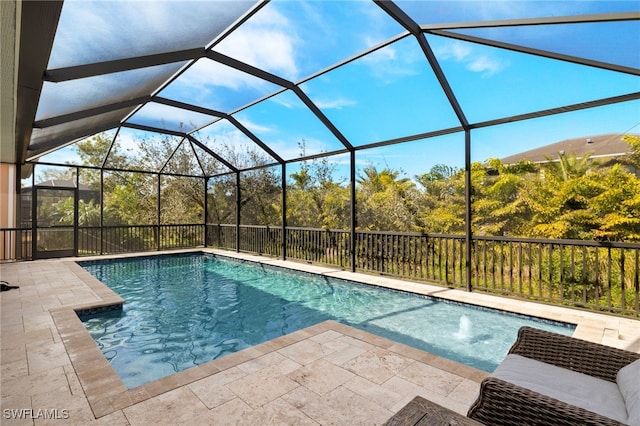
(90, 112)
(410, 25)
(550, 20)
(537, 52)
(58, 75)
(211, 153)
(249, 69)
(38, 24)
(559, 110)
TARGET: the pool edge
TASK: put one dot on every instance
(106, 393)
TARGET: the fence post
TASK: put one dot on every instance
(467, 196)
(206, 210)
(238, 203)
(283, 239)
(352, 237)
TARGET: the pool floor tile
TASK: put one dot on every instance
(328, 373)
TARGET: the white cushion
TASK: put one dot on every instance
(581, 390)
(628, 380)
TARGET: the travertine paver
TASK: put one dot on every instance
(321, 376)
(53, 373)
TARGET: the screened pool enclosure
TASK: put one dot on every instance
(362, 134)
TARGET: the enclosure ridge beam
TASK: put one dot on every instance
(189, 107)
(195, 154)
(211, 153)
(37, 22)
(249, 69)
(58, 75)
(323, 118)
(537, 52)
(411, 138)
(255, 139)
(90, 112)
(410, 25)
(153, 129)
(551, 20)
(442, 79)
(168, 160)
(39, 149)
(560, 110)
(324, 154)
(399, 16)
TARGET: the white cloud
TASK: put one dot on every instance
(267, 40)
(206, 72)
(387, 65)
(255, 127)
(337, 103)
(485, 63)
(455, 50)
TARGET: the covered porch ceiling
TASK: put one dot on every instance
(202, 70)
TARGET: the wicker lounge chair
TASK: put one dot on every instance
(503, 403)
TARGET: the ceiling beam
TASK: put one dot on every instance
(38, 25)
(211, 153)
(58, 75)
(90, 112)
(537, 52)
(182, 135)
(255, 139)
(551, 20)
(559, 110)
(249, 69)
(323, 118)
(189, 107)
(38, 149)
(223, 115)
(410, 25)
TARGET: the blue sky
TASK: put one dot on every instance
(392, 92)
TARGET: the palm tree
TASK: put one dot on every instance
(569, 166)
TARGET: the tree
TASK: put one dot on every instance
(386, 202)
(314, 198)
(441, 203)
(568, 166)
(498, 206)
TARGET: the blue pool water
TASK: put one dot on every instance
(182, 311)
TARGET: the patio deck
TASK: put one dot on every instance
(52, 372)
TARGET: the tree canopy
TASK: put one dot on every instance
(564, 197)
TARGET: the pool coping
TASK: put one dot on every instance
(106, 393)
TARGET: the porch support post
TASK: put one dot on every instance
(467, 195)
(34, 214)
(352, 237)
(206, 211)
(238, 198)
(284, 211)
(159, 217)
(102, 211)
(76, 215)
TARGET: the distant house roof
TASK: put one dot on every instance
(610, 145)
(59, 183)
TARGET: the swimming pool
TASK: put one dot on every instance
(185, 310)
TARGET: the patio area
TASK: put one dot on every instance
(52, 371)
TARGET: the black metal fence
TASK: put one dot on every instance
(17, 243)
(597, 275)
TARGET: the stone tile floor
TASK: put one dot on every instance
(329, 374)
